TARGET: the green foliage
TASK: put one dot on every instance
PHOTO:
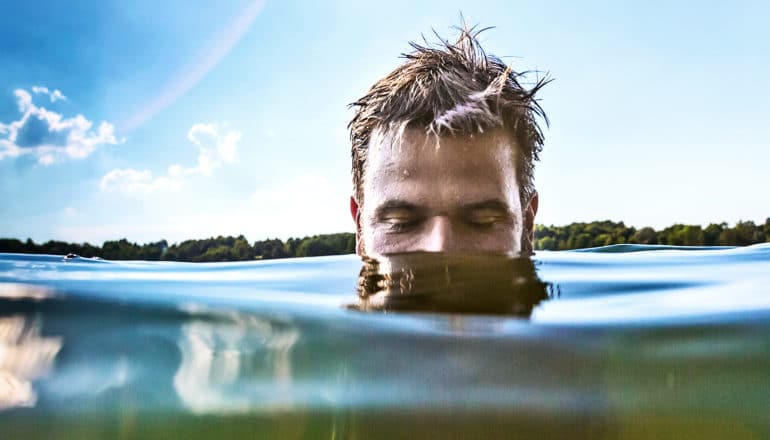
(207, 250)
(572, 236)
(333, 244)
(546, 243)
(646, 235)
(712, 233)
(583, 235)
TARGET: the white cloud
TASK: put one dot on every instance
(216, 146)
(55, 95)
(23, 100)
(49, 135)
(129, 180)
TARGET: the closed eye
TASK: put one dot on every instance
(399, 219)
(486, 214)
(485, 218)
(399, 215)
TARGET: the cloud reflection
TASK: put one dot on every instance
(19, 291)
(25, 355)
(234, 362)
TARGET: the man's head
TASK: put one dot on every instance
(443, 154)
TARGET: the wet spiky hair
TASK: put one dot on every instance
(452, 89)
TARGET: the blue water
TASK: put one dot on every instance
(629, 342)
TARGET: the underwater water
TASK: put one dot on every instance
(617, 342)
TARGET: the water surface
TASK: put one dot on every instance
(619, 342)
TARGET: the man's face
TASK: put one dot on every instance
(461, 195)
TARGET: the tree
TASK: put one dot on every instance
(766, 229)
(747, 233)
(712, 233)
(646, 235)
(546, 244)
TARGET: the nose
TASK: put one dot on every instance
(439, 235)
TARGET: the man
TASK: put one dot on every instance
(443, 155)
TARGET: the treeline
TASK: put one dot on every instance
(206, 250)
(572, 236)
(605, 233)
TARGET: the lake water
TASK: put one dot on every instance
(619, 342)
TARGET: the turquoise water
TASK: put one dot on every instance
(619, 342)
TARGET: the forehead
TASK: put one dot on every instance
(447, 170)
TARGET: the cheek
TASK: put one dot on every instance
(378, 241)
(504, 241)
(375, 240)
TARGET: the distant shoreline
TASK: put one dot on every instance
(572, 236)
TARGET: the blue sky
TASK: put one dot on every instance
(175, 120)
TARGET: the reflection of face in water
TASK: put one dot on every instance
(450, 283)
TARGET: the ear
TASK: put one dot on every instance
(356, 213)
(529, 220)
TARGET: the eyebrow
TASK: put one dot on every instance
(493, 204)
(392, 204)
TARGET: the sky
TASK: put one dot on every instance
(174, 120)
